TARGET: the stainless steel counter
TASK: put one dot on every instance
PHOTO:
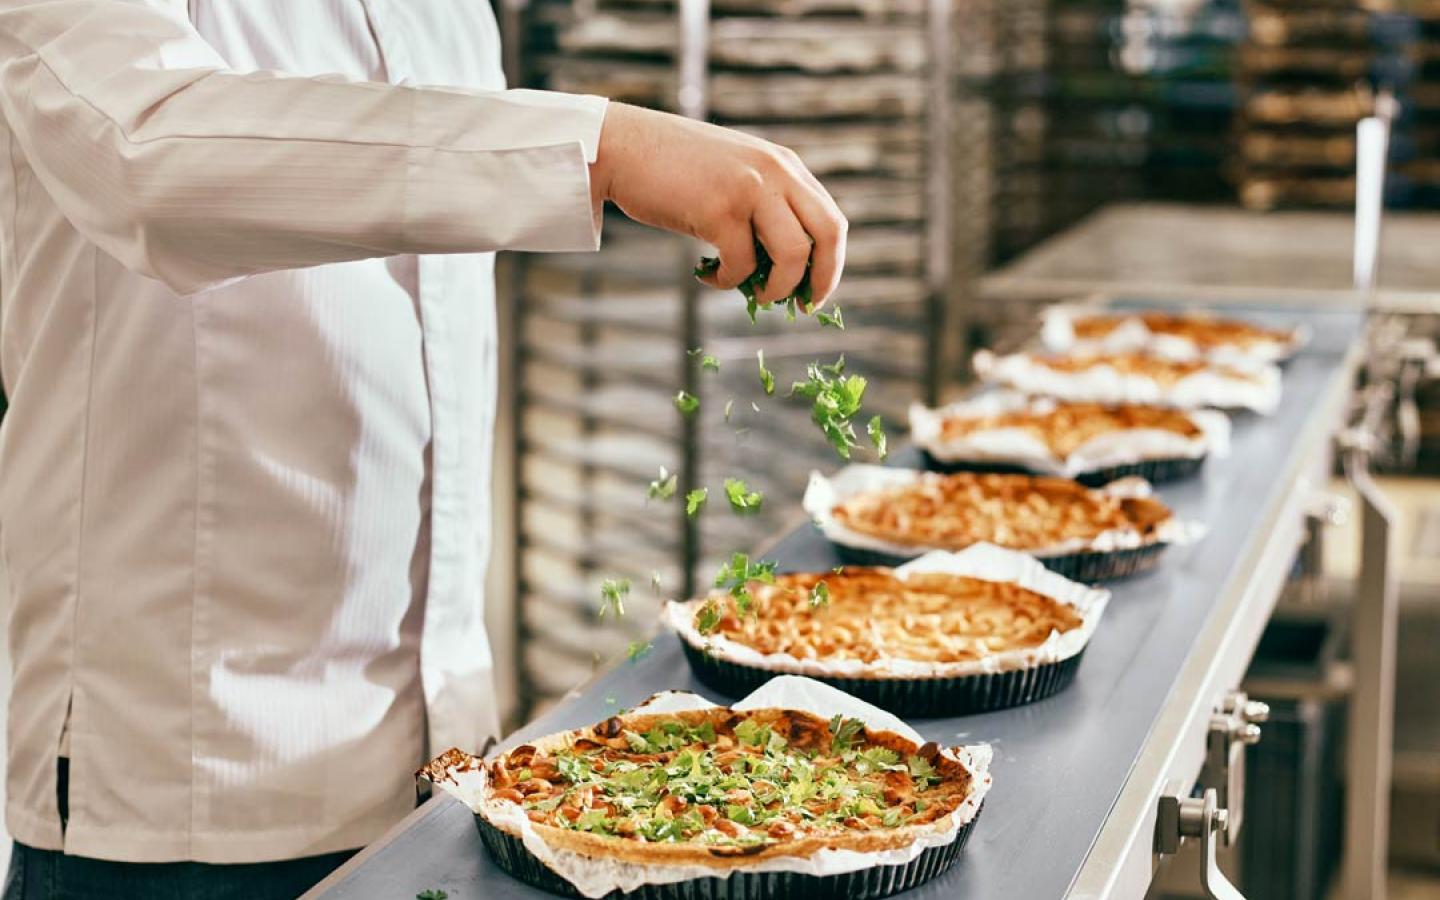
(1077, 775)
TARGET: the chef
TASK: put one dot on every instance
(247, 331)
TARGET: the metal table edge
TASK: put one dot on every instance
(1121, 860)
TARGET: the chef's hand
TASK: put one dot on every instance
(726, 188)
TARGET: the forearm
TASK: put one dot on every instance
(195, 174)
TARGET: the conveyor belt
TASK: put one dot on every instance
(1060, 765)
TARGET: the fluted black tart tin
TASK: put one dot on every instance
(511, 856)
(906, 697)
(1086, 567)
(1155, 471)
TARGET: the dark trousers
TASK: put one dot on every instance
(51, 875)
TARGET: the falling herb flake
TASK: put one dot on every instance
(819, 595)
(876, 430)
(729, 407)
(663, 488)
(742, 499)
(834, 401)
(655, 584)
(613, 592)
(754, 406)
(838, 570)
(432, 894)
(834, 320)
(752, 286)
(767, 378)
(709, 618)
(686, 402)
(737, 573)
(709, 363)
(695, 501)
(638, 650)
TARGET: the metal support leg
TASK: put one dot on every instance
(1372, 706)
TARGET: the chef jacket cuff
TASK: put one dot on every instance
(545, 182)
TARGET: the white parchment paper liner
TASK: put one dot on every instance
(1057, 333)
(823, 493)
(1105, 384)
(1018, 446)
(595, 877)
(983, 561)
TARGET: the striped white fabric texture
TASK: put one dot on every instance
(247, 332)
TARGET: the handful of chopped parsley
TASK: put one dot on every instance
(757, 280)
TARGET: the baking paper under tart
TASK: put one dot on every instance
(1131, 333)
(912, 688)
(825, 875)
(1109, 555)
(511, 856)
(1208, 387)
(1156, 455)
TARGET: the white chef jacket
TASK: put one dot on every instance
(244, 475)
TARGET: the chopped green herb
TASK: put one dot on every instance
(638, 650)
(922, 772)
(838, 570)
(613, 592)
(844, 732)
(709, 618)
(834, 320)
(655, 583)
(834, 401)
(432, 894)
(743, 500)
(695, 501)
(876, 430)
(686, 402)
(729, 407)
(709, 363)
(767, 378)
(755, 283)
(663, 488)
(819, 595)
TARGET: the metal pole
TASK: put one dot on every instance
(1372, 705)
(692, 101)
(939, 283)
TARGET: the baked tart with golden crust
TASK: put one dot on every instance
(944, 635)
(1094, 443)
(1178, 335)
(882, 516)
(745, 802)
(1135, 377)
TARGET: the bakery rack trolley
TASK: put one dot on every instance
(600, 341)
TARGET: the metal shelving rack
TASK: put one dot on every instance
(600, 341)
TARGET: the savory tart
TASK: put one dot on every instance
(706, 793)
(884, 516)
(1182, 335)
(1133, 377)
(1095, 443)
(947, 634)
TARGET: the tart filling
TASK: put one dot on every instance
(681, 789)
(1065, 438)
(905, 512)
(944, 615)
(1175, 335)
(1135, 378)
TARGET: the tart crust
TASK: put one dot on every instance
(1206, 332)
(801, 730)
(1069, 426)
(871, 614)
(1019, 512)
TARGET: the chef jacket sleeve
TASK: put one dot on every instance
(194, 174)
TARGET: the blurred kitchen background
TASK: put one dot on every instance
(991, 155)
